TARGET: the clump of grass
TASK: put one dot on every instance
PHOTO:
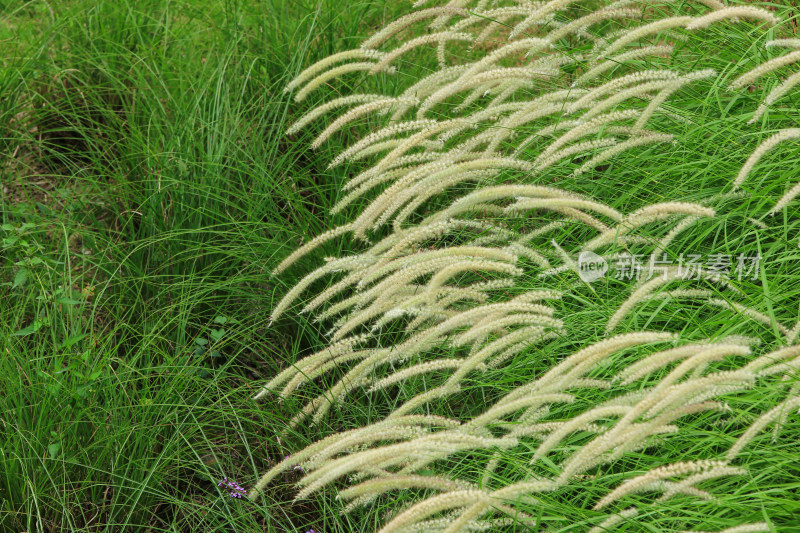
(147, 189)
(148, 192)
(475, 143)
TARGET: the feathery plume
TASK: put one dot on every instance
(746, 12)
(763, 148)
(765, 68)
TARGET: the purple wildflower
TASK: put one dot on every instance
(236, 490)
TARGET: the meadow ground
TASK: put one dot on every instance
(148, 190)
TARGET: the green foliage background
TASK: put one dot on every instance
(148, 191)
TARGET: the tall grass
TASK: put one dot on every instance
(148, 191)
(413, 321)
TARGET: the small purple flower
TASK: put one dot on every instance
(311, 531)
(236, 490)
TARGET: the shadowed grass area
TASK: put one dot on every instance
(147, 191)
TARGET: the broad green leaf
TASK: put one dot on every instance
(20, 278)
(33, 328)
(53, 449)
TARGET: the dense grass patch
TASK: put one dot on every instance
(148, 190)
